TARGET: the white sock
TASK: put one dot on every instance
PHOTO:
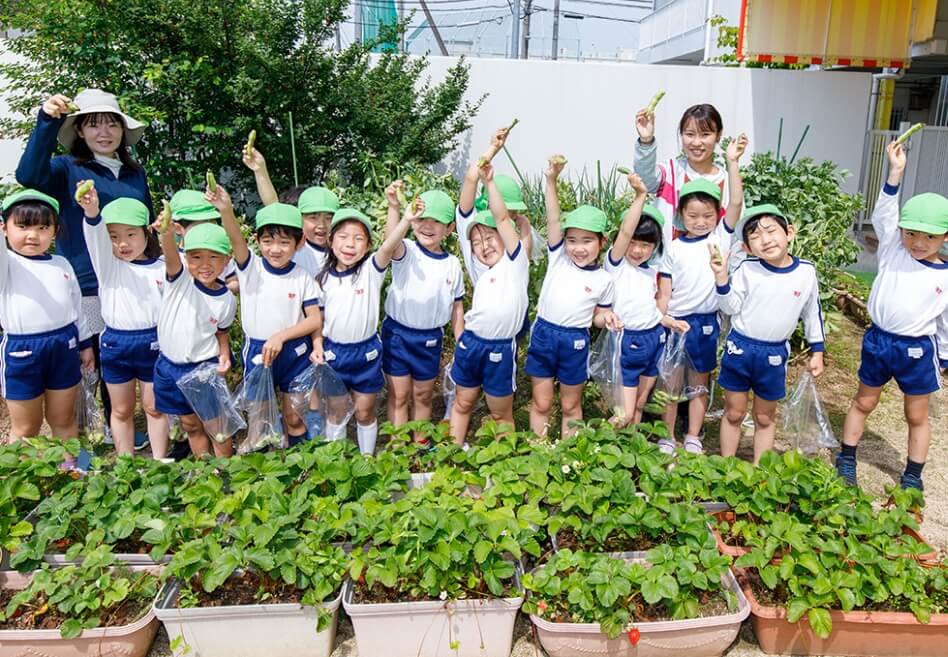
(367, 435)
(335, 431)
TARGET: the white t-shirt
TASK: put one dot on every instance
(191, 315)
(570, 293)
(271, 299)
(636, 289)
(129, 292)
(475, 268)
(499, 303)
(350, 301)
(766, 302)
(424, 287)
(311, 257)
(688, 263)
(38, 294)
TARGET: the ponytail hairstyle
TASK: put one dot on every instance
(332, 260)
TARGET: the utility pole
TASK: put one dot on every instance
(434, 28)
(357, 19)
(556, 28)
(401, 17)
(515, 31)
(527, 12)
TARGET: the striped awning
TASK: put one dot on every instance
(863, 33)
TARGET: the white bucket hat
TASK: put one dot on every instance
(94, 101)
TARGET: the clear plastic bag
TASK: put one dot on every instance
(257, 397)
(605, 369)
(805, 424)
(319, 397)
(88, 416)
(207, 393)
(673, 366)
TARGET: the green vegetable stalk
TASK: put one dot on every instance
(655, 100)
(84, 188)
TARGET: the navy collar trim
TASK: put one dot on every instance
(591, 267)
(278, 271)
(317, 247)
(44, 256)
(685, 238)
(934, 265)
(342, 274)
(781, 270)
(214, 293)
(432, 254)
(144, 261)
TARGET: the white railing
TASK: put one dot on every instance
(672, 21)
(873, 171)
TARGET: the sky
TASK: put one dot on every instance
(590, 29)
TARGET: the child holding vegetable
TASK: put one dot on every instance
(196, 313)
(576, 292)
(907, 304)
(686, 290)
(46, 339)
(486, 352)
(279, 302)
(349, 290)
(427, 291)
(629, 262)
(765, 296)
(131, 277)
(189, 208)
(316, 204)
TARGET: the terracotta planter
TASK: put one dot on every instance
(855, 633)
(274, 630)
(132, 640)
(481, 628)
(698, 637)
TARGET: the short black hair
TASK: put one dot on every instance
(649, 231)
(698, 196)
(32, 213)
(276, 230)
(751, 225)
(291, 196)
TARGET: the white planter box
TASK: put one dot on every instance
(277, 630)
(481, 628)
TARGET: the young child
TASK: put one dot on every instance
(575, 290)
(46, 340)
(426, 292)
(699, 129)
(130, 278)
(189, 208)
(486, 353)
(686, 287)
(765, 296)
(350, 290)
(316, 204)
(908, 307)
(279, 303)
(197, 310)
(629, 262)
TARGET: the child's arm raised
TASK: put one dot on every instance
(645, 157)
(220, 199)
(498, 210)
(735, 186)
(554, 234)
(631, 219)
(394, 212)
(885, 214)
(387, 250)
(469, 185)
(168, 247)
(255, 162)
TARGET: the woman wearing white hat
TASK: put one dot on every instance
(97, 136)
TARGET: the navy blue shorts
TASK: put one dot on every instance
(487, 364)
(750, 364)
(168, 397)
(411, 352)
(31, 364)
(358, 364)
(289, 364)
(128, 355)
(701, 342)
(558, 352)
(912, 362)
(641, 351)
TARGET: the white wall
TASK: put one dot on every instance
(10, 149)
(586, 110)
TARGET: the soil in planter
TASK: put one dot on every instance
(362, 594)
(25, 618)
(567, 538)
(710, 604)
(128, 545)
(246, 588)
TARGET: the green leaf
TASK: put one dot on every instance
(796, 608)
(481, 550)
(820, 622)
(70, 629)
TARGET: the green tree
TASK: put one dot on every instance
(204, 73)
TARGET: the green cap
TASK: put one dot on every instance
(703, 186)
(651, 211)
(586, 217)
(30, 195)
(926, 213)
(482, 218)
(207, 236)
(757, 211)
(438, 206)
(317, 199)
(342, 214)
(127, 211)
(190, 205)
(279, 214)
(509, 190)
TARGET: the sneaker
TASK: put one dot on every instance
(846, 468)
(107, 432)
(911, 481)
(693, 445)
(141, 440)
(667, 446)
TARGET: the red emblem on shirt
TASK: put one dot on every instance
(213, 321)
(66, 276)
(291, 295)
(796, 293)
(360, 291)
(493, 280)
(937, 290)
(588, 290)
